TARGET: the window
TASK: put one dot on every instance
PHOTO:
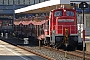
(5, 2)
(10, 2)
(1, 2)
(46, 0)
(31, 2)
(69, 13)
(36, 1)
(41, 0)
(16, 2)
(58, 13)
(21, 2)
(27, 2)
(87, 21)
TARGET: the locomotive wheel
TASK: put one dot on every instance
(57, 45)
(47, 41)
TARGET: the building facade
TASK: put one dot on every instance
(7, 8)
(20, 2)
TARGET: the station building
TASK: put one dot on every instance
(7, 8)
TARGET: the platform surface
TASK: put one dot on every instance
(10, 52)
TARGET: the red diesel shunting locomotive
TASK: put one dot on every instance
(61, 29)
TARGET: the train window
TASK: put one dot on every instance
(31, 2)
(27, 2)
(41, 0)
(21, 2)
(69, 13)
(58, 13)
(36, 1)
(10, 2)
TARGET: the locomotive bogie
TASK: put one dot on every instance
(47, 41)
(72, 43)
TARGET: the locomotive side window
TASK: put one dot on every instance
(58, 13)
(69, 13)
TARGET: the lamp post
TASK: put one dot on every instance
(83, 5)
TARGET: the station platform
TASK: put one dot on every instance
(12, 40)
(10, 52)
(87, 41)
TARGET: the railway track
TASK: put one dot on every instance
(44, 56)
(55, 54)
(80, 54)
(70, 54)
(76, 53)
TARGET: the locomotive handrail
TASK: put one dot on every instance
(72, 29)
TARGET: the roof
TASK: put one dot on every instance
(30, 22)
(37, 6)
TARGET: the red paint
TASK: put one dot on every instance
(83, 35)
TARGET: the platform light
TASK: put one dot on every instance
(83, 5)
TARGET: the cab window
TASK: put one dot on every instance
(69, 13)
(58, 13)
